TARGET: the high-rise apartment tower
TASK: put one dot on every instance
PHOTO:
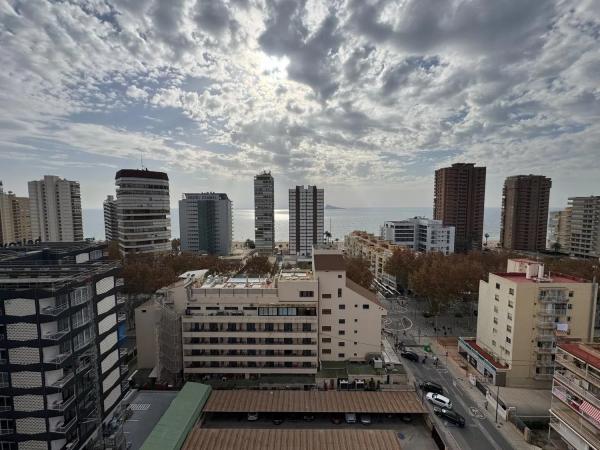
(264, 213)
(459, 198)
(55, 209)
(143, 211)
(15, 223)
(111, 220)
(306, 219)
(525, 201)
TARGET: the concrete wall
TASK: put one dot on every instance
(146, 318)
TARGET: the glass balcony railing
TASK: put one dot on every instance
(61, 405)
(121, 317)
(54, 310)
(64, 428)
(61, 382)
(59, 359)
(56, 335)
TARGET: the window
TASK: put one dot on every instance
(269, 327)
(494, 343)
(339, 292)
(231, 308)
(570, 306)
(508, 328)
(355, 332)
(250, 326)
(341, 332)
(341, 321)
(341, 306)
(326, 311)
(341, 344)
(325, 328)
(287, 327)
(212, 308)
(497, 285)
(355, 343)
(340, 275)
(326, 296)
(325, 340)
(511, 291)
(341, 355)
(307, 294)
(326, 351)
(571, 293)
(495, 309)
(365, 306)
(494, 330)
(496, 320)
(509, 316)
(286, 311)
(496, 297)
(306, 327)
(508, 339)
(5, 445)
(511, 304)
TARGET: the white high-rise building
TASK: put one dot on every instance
(111, 221)
(143, 211)
(264, 213)
(306, 219)
(206, 223)
(55, 210)
(15, 225)
(420, 234)
(584, 227)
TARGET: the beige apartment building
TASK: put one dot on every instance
(377, 251)
(521, 315)
(575, 408)
(245, 327)
(15, 224)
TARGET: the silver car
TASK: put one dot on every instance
(439, 400)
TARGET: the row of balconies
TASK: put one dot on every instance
(572, 384)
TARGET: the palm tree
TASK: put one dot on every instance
(327, 236)
(486, 238)
(556, 247)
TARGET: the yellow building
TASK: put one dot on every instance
(521, 315)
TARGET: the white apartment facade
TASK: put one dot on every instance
(521, 316)
(575, 407)
(241, 327)
(584, 227)
(55, 210)
(420, 234)
(306, 226)
(206, 223)
(143, 211)
(15, 223)
(264, 213)
(111, 219)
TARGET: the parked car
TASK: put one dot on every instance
(337, 419)
(252, 417)
(450, 416)
(439, 400)
(278, 420)
(365, 419)
(430, 386)
(412, 356)
(406, 418)
(350, 418)
(308, 417)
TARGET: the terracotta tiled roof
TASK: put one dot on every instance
(314, 401)
(582, 351)
(329, 261)
(278, 439)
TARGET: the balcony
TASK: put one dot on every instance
(83, 344)
(546, 336)
(553, 299)
(121, 317)
(5, 431)
(83, 366)
(545, 324)
(61, 405)
(545, 350)
(575, 387)
(548, 363)
(3, 384)
(56, 335)
(60, 383)
(543, 376)
(59, 359)
(575, 423)
(80, 300)
(54, 310)
(120, 299)
(64, 428)
(124, 369)
(80, 323)
(5, 408)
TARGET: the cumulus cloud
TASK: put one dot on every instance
(349, 92)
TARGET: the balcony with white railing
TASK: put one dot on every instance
(121, 317)
(54, 310)
(61, 405)
(119, 282)
(56, 335)
(572, 384)
(123, 351)
(84, 343)
(81, 322)
(83, 366)
(124, 369)
(120, 299)
(59, 358)
(545, 350)
(64, 428)
(545, 324)
(62, 382)
(553, 298)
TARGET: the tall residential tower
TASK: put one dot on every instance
(525, 201)
(264, 213)
(15, 223)
(206, 223)
(584, 227)
(111, 220)
(306, 219)
(459, 198)
(143, 211)
(55, 208)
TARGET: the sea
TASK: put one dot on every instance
(339, 222)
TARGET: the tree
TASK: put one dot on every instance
(556, 247)
(401, 264)
(113, 250)
(357, 269)
(249, 244)
(176, 245)
(258, 265)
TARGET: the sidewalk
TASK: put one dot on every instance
(507, 429)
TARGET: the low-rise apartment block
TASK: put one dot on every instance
(420, 235)
(575, 408)
(521, 315)
(377, 251)
(247, 327)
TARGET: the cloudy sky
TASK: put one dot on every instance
(364, 98)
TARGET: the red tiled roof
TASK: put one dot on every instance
(582, 351)
(473, 344)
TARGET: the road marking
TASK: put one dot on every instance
(475, 412)
(139, 406)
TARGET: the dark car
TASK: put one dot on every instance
(337, 418)
(308, 417)
(412, 356)
(430, 386)
(277, 420)
(450, 416)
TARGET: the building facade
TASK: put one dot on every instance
(206, 223)
(377, 251)
(559, 231)
(520, 318)
(111, 219)
(15, 222)
(62, 373)
(575, 407)
(459, 197)
(264, 213)
(584, 227)
(143, 211)
(55, 210)
(306, 228)
(525, 200)
(420, 235)
(241, 327)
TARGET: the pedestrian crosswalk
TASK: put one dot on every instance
(139, 406)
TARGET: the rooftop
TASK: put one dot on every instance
(276, 439)
(489, 358)
(329, 261)
(590, 353)
(314, 401)
(519, 277)
(363, 291)
(136, 173)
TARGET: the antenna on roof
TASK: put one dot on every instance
(142, 159)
